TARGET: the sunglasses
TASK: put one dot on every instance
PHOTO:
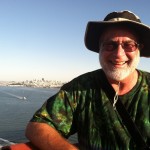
(128, 46)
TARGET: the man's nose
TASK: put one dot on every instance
(119, 51)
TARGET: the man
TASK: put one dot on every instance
(87, 104)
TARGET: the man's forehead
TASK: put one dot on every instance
(119, 31)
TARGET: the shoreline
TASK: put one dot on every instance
(33, 83)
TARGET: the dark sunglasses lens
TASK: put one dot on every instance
(129, 47)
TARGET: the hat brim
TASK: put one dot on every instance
(95, 29)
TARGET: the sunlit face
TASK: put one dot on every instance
(118, 64)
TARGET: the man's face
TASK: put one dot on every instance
(120, 62)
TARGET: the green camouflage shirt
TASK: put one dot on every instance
(83, 107)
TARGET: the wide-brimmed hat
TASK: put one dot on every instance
(126, 18)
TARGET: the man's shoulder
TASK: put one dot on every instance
(145, 75)
(86, 80)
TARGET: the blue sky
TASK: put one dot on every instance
(45, 38)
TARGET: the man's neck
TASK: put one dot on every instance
(125, 85)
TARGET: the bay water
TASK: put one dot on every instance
(17, 106)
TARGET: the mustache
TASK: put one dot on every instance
(119, 74)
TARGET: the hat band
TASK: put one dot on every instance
(119, 19)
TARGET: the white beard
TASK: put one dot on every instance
(119, 74)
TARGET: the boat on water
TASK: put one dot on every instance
(23, 98)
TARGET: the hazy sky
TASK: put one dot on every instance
(45, 38)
